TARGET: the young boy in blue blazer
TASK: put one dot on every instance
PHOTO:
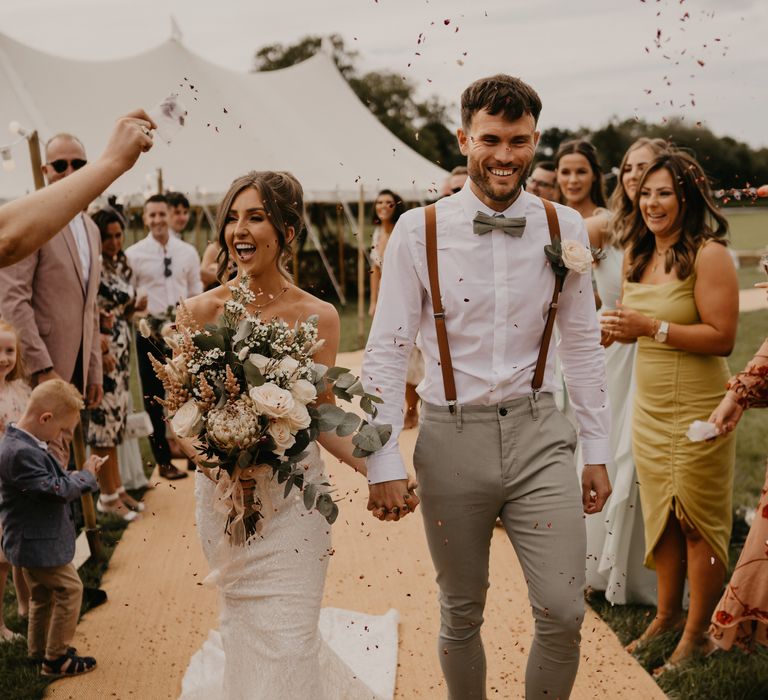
(38, 530)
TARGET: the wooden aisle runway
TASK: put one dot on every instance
(158, 612)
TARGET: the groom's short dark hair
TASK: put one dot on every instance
(499, 94)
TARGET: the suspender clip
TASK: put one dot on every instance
(439, 316)
(533, 399)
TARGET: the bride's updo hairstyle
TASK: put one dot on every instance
(283, 200)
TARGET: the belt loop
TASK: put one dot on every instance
(533, 399)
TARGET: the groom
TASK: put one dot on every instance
(490, 445)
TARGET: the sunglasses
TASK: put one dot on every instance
(167, 270)
(62, 164)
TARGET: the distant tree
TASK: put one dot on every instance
(276, 56)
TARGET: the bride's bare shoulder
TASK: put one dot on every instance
(207, 307)
(310, 305)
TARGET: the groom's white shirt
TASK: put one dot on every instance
(496, 291)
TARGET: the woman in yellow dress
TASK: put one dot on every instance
(680, 303)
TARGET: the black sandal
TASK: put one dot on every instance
(77, 665)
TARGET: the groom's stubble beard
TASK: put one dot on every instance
(479, 177)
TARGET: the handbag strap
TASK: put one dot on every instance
(446, 366)
(541, 361)
(438, 312)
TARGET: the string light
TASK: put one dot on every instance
(5, 149)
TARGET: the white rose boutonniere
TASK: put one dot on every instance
(271, 400)
(565, 255)
(576, 256)
(188, 420)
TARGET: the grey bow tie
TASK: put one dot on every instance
(482, 223)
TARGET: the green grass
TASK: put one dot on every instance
(20, 680)
(749, 227)
(749, 275)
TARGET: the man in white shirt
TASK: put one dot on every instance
(178, 213)
(51, 295)
(167, 270)
(502, 450)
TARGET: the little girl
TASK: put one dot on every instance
(14, 392)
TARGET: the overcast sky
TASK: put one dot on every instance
(589, 60)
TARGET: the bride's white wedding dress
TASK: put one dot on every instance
(273, 641)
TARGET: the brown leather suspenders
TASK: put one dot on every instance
(437, 308)
(439, 314)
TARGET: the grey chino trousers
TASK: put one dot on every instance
(513, 461)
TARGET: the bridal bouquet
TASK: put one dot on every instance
(243, 390)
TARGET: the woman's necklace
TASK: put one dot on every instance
(657, 260)
(272, 300)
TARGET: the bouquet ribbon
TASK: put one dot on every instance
(238, 501)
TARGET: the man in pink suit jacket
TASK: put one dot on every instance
(50, 296)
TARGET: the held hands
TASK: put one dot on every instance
(392, 500)
(624, 325)
(727, 414)
(595, 487)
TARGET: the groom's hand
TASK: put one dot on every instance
(392, 500)
(595, 487)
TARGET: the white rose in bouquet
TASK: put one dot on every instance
(288, 365)
(271, 400)
(298, 417)
(280, 431)
(304, 391)
(576, 256)
(258, 361)
(188, 420)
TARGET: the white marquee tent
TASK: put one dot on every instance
(305, 119)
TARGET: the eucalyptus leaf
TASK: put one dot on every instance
(342, 393)
(385, 432)
(357, 452)
(330, 416)
(331, 518)
(288, 486)
(366, 405)
(356, 389)
(348, 425)
(334, 372)
(367, 439)
(252, 374)
(346, 380)
(209, 342)
(325, 505)
(310, 491)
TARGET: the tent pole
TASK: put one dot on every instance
(361, 270)
(340, 233)
(199, 230)
(33, 141)
(160, 181)
(312, 233)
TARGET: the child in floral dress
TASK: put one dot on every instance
(14, 392)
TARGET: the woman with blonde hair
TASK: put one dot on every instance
(680, 304)
(615, 543)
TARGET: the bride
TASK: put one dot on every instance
(270, 645)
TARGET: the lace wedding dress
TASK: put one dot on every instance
(274, 642)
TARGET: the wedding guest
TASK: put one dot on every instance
(454, 182)
(117, 303)
(34, 493)
(178, 213)
(543, 180)
(580, 182)
(680, 303)
(166, 269)
(386, 211)
(615, 542)
(50, 296)
(209, 266)
(741, 616)
(490, 444)
(29, 222)
(14, 394)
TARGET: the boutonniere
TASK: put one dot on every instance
(571, 255)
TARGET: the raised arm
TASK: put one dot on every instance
(29, 222)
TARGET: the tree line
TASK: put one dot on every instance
(425, 125)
